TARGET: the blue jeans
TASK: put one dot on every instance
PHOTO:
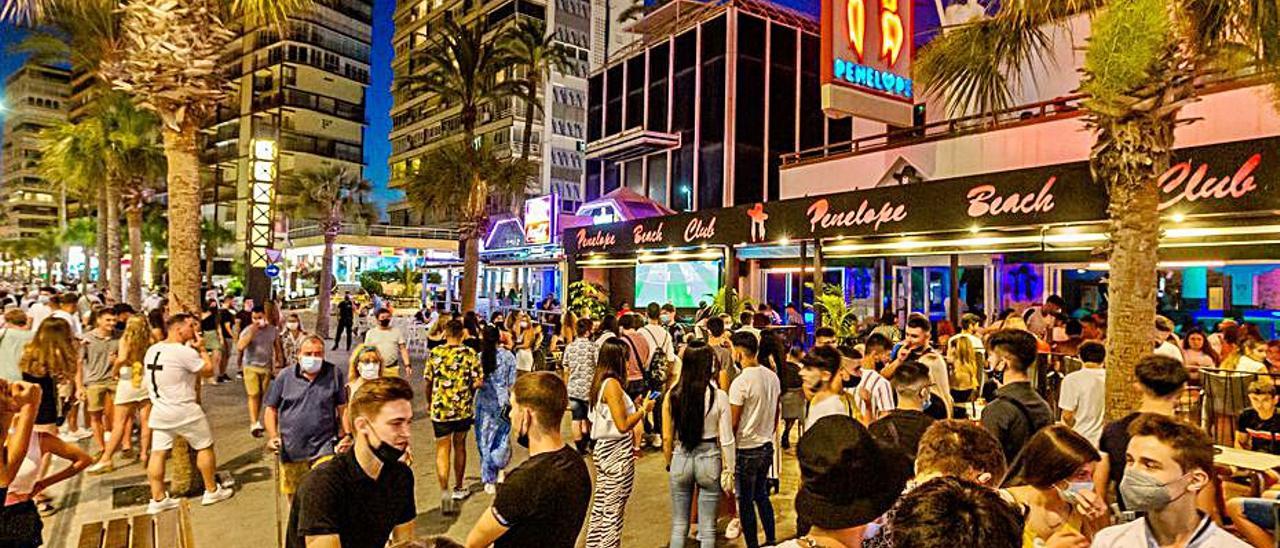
(753, 493)
(699, 467)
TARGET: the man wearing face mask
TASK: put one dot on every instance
(260, 345)
(1168, 462)
(819, 374)
(391, 345)
(362, 497)
(40, 309)
(298, 403)
(546, 496)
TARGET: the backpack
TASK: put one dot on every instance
(659, 367)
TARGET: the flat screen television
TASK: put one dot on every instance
(682, 284)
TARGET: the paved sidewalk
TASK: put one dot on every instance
(249, 520)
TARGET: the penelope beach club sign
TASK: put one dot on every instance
(1236, 177)
(866, 60)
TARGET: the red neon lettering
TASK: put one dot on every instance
(984, 201)
(864, 215)
(643, 236)
(856, 18)
(892, 34)
(1185, 186)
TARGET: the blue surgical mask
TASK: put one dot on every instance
(310, 364)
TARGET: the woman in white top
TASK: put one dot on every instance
(613, 417)
(697, 436)
(130, 395)
(21, 524)
(19, 402)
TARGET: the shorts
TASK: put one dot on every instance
(578, 408)
(445, 428)
(212, 342)
(1260, 511)
(256, 380)
(793, 405)
(98, 395)
(196, 433)
(291, 473)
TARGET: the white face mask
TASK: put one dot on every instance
(369, 370)
(524, 325)
(310, 364)
(293, 326)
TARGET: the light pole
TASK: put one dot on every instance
(261, 229)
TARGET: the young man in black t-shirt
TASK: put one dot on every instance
(364, 496)
(346, 319)
(904, 426)
(1258, 427)
(544, 500)
(1160, 380)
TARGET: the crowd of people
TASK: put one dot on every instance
(906, 433)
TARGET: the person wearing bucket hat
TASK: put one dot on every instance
(847, 480)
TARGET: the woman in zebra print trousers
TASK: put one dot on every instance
(613, 417)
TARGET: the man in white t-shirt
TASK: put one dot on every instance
(754, 404)
(66, 309)
(40, 309)
(391, 345)
(172, 369)
(875, 393)
(820, 374)
(1084, 393)
(1163, 339)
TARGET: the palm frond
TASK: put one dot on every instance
(328, 196)
(974, 67)
(463, 184)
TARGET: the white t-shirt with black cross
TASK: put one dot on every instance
(171, 373)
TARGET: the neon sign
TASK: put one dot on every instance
(866, 63)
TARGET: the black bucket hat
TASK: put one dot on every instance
(847, 477)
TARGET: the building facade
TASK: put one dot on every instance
(303, 92)
(420, 122)
(36, 97)
(696, 112)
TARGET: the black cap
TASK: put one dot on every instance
(847, 477)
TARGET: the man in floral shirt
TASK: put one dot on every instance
(453, 374)
(579, 370)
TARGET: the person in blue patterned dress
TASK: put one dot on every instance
(492, 429)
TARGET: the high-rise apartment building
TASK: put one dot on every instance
(303, 96)
(36, 97)
(420, 123)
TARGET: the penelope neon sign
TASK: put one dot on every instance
(867, 54)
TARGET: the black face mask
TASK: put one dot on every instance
(522, 437)
(386, 452)
(385, 323)
(119, 326)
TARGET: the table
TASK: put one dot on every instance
(1241, 458)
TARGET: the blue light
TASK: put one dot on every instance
(871, 78)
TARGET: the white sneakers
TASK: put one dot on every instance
(460, 494)
(490, 489)
(70, 436)
(222, 493)
(156, 506)
(257, 429)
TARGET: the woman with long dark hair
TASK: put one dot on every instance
(698, 444)
(1043, 480)
(492, 429)
(613, 417)
(1197, 353)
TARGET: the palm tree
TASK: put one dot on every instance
(135, 163)
(213, 235)
(73, 155)
(329, 197)
(527, 46)
(464, 184)
(1141, 65)
(168, 61)
(464, 65)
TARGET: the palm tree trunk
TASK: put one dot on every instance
(470, 270)
(210, 253)
(184, 260)
(114, 258)
(133, 220)
(1128, 158)
(101, 240)
(325, 283)
(528, 121)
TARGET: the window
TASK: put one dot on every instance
(749, 123)
(782, 102)
(659, 62)
(711, 128)
(635, 92)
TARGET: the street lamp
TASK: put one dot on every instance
(263, 172)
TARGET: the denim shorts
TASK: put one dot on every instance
(1260, 511)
